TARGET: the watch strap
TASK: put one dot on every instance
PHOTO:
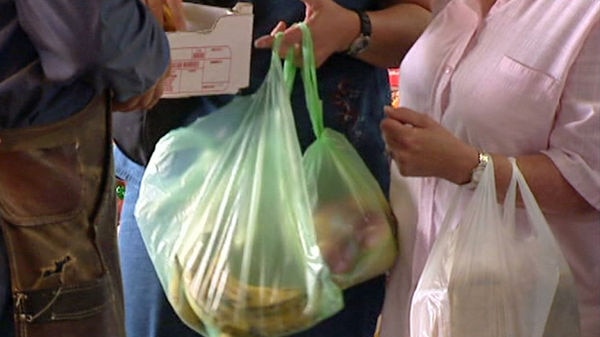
(362, 41)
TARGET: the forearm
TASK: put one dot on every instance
(552, 191)
(394, 31)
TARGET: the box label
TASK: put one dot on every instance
(194, 70)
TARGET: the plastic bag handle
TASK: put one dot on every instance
(309, 78)
(510, 200)
(551, 251)
(537, 219)
(485, 191)
(526, 194)
(289, 70)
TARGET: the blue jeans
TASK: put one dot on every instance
(149, 314)
(147, 311)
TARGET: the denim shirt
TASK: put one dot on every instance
(56, 55)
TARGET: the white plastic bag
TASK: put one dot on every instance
(491, 276)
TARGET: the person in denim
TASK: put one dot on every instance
(64, 66)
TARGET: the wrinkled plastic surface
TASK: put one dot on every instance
(489, 277)
(225, 215)
(354, 223)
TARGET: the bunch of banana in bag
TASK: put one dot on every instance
(238, 309)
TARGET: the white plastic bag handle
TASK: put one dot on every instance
(539, 233)
(539, 225)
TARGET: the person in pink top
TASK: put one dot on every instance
(505, 78)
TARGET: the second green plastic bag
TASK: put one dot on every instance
(354, 223)
(225, 214)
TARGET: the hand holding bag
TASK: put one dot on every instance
(492, 276)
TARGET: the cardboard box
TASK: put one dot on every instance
(213, 56)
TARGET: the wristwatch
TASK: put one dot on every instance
(362, 41)
(482, 161)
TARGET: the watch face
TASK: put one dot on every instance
(360, 44)
(363, 42)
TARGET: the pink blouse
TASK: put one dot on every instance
(524, 79)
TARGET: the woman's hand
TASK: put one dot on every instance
(333, 28)
(422, 147)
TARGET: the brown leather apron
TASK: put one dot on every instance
(57, 214)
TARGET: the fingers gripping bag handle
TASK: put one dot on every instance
(353, 220)
(226, 217)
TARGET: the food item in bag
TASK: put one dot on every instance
(563, 319)
(345, 231)
(243, 310)
(179, 301)
(476, 304)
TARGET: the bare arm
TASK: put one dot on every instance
(394, 31)
(552, 191)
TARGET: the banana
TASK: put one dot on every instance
(244, 310)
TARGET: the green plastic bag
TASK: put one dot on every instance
(225, 214)
(354, 223)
